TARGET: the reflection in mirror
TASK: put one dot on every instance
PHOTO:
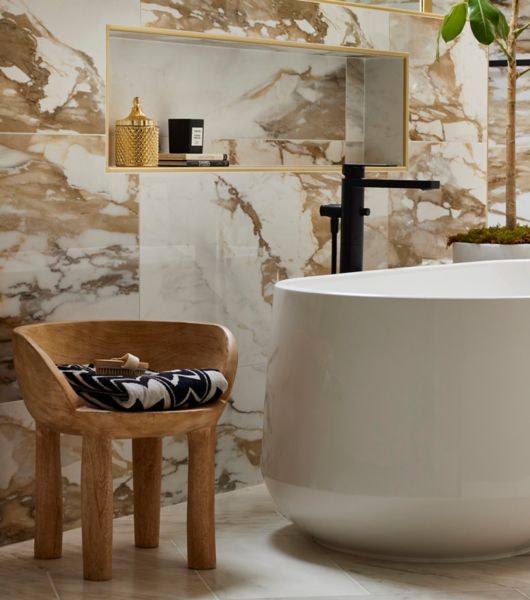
(375, 111)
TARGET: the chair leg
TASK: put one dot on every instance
(201, 500)
(147, 478)
(48, 494)
(96, 508)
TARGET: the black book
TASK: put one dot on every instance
(193, 163)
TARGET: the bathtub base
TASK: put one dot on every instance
(420, 559)
(408, 529)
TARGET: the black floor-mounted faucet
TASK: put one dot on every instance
(352, 211)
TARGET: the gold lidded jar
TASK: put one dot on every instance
(136, 139)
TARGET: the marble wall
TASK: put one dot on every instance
(77, 242)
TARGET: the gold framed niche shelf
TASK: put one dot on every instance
(149, 39)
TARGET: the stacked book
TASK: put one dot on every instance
(169, 159)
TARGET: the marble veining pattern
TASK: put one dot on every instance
(280, 19)
(355, 107)
(69, 236)
(244, 151)
(51, 77)
(417, 218)
(239, 221)
(79, 243)
(444, 102)
(42, 93)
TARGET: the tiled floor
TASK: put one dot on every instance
(260, 555)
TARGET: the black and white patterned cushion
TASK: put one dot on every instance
(152, 391)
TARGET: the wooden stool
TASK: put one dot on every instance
(56, 408)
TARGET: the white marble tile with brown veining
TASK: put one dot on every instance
(69, 236)
(56, 196)
(17, 444)
(242, 151)
(294, 20)
(219, 261)
(421, 221)
(52, 73)
(355, 110)
(448, 98)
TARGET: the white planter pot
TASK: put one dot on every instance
(465, 252)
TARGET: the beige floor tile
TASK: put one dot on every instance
(249, 510)
(22, 578)
(382, 577)
(504, 595)
(274, 566)
(159, 573)
(260, 556)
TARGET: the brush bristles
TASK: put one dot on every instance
(119, 372)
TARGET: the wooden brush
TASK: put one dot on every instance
(128, 365)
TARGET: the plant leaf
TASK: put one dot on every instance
(454, 22)
(483, 18)
(502, 28)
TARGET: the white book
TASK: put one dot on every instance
(191, 156)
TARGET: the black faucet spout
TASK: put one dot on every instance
(407, 184)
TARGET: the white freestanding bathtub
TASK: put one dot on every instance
(397, 418)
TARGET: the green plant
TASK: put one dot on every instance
(520, 234)
(489, 25)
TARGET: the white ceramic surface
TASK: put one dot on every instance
(463, 252)
(398, 409)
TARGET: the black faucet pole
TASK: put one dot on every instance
(352, 222)
(352, 212)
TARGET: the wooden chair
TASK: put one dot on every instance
(56, 408)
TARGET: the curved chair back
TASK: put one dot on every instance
(163, 344)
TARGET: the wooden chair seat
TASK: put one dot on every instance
(57, 409)
(129, 425)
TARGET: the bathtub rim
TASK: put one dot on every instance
(301, 285)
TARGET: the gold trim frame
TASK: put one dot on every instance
(186, 36)
(424, 7)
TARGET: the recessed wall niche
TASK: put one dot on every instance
(267, 104)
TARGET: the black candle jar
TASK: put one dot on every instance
(186, 135)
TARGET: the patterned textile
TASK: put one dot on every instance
(167, 390)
